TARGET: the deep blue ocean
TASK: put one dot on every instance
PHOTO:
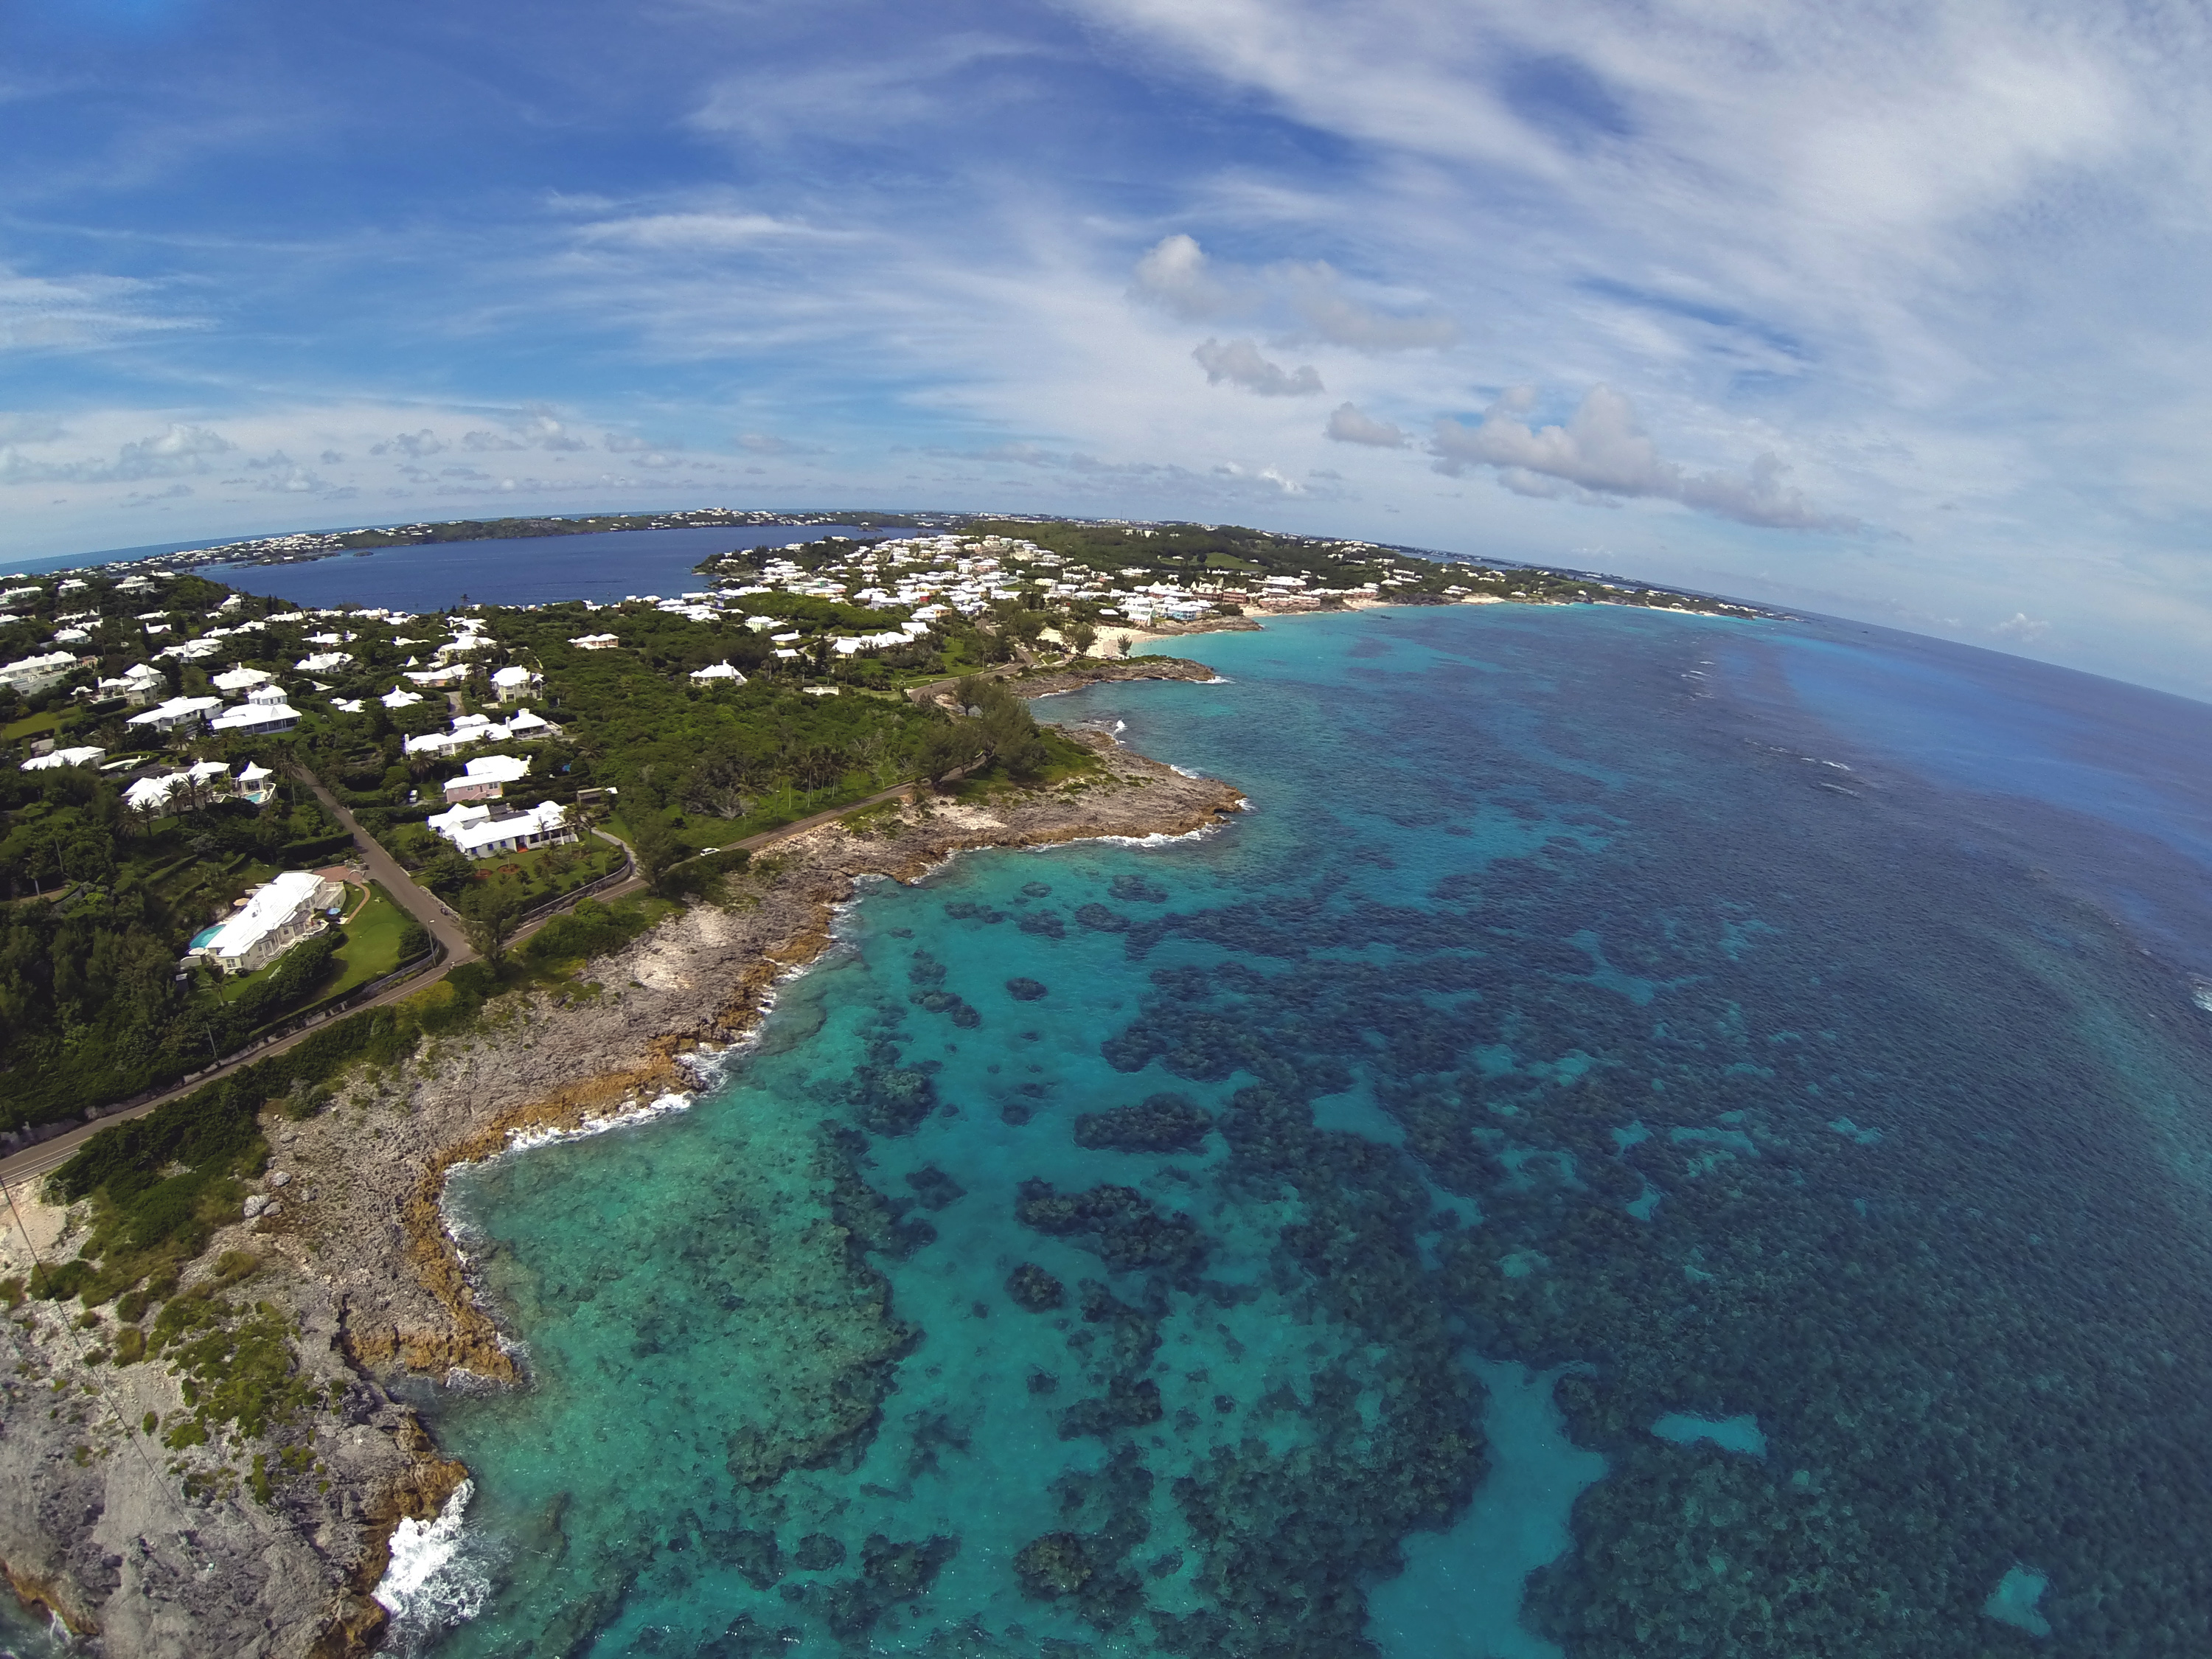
(604, 567)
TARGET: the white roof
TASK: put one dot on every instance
(400, 697)
(251, 772)
(470, 826)
(272, 906)
(84, 756)
(497, 768)
(720, 670)
(153, 792)
(514, 674)
(175, 709)
(252, 715)
(39, 665)
(322, 661)
(239, 679)
(525, 721)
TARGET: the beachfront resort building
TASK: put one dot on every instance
(484, 832)
(269, 922)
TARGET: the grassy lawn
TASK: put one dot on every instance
(372, 943)
(31, 725)
(369, 949)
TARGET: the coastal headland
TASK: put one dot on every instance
(151, 1548)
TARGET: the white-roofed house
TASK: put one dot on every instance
(177, 714)
(31, 674)
(717, 672)
(195, 784)
(514, 683)
(484, 832)
(524, 723)
(85, 756)
(323, 662)
(452, 673)
(486, 777)
(262, 713)
(251, 782)
(233, 682)
(400, 697)
(274, 917)
(136, 684)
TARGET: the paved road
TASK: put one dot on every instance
(36, 1162)
(444, 927)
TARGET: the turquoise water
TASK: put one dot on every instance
(1285, 1242)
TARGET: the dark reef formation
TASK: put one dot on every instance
(1163, 1123)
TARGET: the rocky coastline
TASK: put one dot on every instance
(142, 1547)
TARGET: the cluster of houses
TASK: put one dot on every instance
(469, 729)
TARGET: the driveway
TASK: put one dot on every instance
(425, 907)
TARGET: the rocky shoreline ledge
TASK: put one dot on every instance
(144, 1549)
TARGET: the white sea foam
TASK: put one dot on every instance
(1156, 840)
(2200, 993)
(433, 1583)
(631, 1113)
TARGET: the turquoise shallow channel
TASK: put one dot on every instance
(1638, 1144)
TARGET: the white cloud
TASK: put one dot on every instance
(767, 443)
(413, 444)
(782, 103)
(1176, 276)
(61, 313)
(1603, 451)
(2023, 628)
(666, 233)
(1317, 294)
(1240, 364)
(1348, 425)
(183, 449)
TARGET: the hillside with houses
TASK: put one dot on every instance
(177, 879)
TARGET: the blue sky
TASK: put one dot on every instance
(1894, 311)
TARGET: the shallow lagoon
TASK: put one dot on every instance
(1399, 1157)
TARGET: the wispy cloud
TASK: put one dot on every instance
(43, 314)
(1602, 451)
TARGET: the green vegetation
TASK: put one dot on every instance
(91, 1007)
(376, 940)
